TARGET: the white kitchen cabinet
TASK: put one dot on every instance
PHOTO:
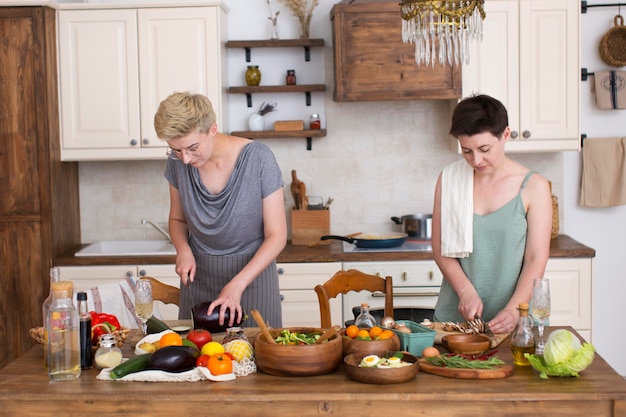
(300, 305)
(570, 293)
(117, 65)
(529, 60)
(416, 284)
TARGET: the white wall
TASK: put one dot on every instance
(603, 229)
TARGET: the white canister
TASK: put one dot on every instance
(256, 122)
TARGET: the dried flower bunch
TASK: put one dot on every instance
(303, 10)
(266, 108)
(273, 16)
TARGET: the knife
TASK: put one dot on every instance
(486, 328)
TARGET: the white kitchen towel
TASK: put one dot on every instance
(610, 89)
(604, 172)
(116, 298)
(457, 210)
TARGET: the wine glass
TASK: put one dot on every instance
(143, 302)
(540, 308)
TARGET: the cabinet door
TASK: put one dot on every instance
(99, 79)
(87, 277)
(549, 73)
(570, 292)
(297, 283)
(178, 51)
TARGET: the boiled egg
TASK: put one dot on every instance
(394, 362)
(370, 361)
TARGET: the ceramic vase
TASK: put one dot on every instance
(256, 122)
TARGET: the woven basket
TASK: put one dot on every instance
(613, 44)
(121, 334)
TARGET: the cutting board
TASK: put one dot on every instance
(495, 339)
(501, 371)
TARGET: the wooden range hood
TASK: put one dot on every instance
(373, 64)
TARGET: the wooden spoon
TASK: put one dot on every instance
(328, 334)
(259, 320)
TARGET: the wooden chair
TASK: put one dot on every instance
(167, 294)
(352, 280)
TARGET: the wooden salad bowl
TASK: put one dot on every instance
(297, 360)
(367, 347)
(382, 376)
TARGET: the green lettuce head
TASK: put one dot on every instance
(563, 355)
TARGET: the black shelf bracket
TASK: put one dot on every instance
(249, 99)
(308, 98)
(584, 6)
(309, 143)
(583, 136)
(307, 53)
(247, 53)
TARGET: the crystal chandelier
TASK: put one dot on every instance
(442, 29)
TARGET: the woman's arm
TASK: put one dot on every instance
(470, 303)
(179, 233)
(538, 202)
(275, 231)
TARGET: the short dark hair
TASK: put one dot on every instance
(477, 114)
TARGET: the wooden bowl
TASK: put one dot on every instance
(367, 347)
(377, 375)
(297, 360)
(469, 344)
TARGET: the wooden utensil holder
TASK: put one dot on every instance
(307, 226)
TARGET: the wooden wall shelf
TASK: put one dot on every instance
(276, 43)
(273, 134)
(303, 88)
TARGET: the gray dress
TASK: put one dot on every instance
(226, 230)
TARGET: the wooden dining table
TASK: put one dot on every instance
(26, 390)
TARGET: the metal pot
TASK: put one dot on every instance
(372, 240)
(416, 225)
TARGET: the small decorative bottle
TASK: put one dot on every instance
(63, 335)
(314, 122)
(522, 340)
(108, 354)
(291, 77)
(84, 318)
(234, 333)
(55, 276)
(253, 75)
(365, 320)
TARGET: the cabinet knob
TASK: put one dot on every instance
(514, 134)
(129, 274)
(431, 275)
(145, 141)
(282, 298)
(405, 276)
(133, 142)
(142, 273)
(526, 134)
(280, 271)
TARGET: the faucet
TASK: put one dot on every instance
(160, 230)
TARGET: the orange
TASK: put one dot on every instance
(352, 331)
(386, 334)
(363, 334)
(170, 339)
(375, 332)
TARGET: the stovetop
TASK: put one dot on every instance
(408, 246)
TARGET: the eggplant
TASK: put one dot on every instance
(201, 320)
(174, 359)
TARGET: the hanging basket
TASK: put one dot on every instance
(613, 44)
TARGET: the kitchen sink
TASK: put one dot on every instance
(128, 248)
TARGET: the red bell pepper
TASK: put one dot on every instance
(102, 323)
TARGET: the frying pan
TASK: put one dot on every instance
(373, 240)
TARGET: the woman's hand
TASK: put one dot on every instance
(186, 266)
(229, 299)
(470, 304)
(504, 322)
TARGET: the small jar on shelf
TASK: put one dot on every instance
(314, 122)
(291, 77)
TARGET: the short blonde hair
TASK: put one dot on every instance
(182, 113)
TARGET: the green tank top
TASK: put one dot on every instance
(495, 264)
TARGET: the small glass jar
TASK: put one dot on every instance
(291, 77)
(253, 75)
(314, 122)
(234, 333)
(108, 354)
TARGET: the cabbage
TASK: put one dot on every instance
(563, 355)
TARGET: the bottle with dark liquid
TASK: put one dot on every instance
(84, 328)
(522, 340)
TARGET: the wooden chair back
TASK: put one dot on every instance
(352, 280)
(167, 294)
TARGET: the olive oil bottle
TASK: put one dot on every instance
(522, 340)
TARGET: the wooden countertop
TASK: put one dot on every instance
(561, 247)
(25, 389)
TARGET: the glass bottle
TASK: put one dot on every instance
(291, 77)
(55, 276)
(365, 320)
(84, 318)
(63, 335)
(253, 75)
(522, 340)
(108, 354)
(234, 333)
(314, 122)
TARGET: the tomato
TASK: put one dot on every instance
(220, 364)
(199, 337)
(202, 360)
